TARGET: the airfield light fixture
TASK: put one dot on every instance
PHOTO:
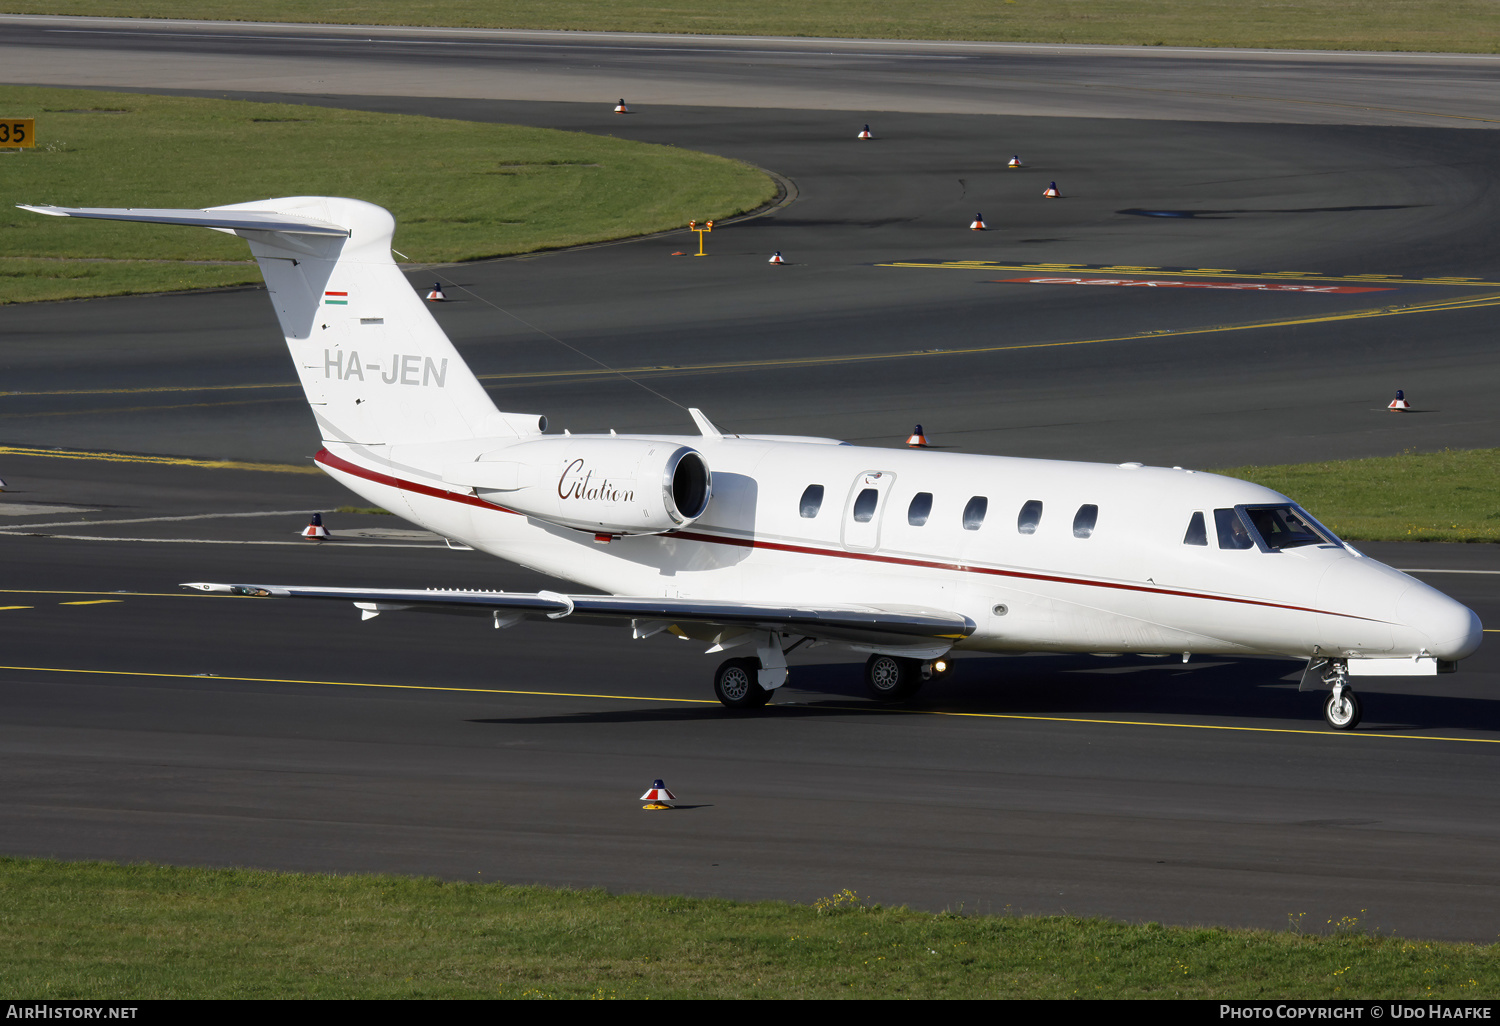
(708, 226)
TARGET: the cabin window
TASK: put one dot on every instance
(1282, 528)
(920, 509)
(974, 512)
(864, 506)
(1031, 516)
(1083, 521)
(812, 501)
(1232, 531)
(1197, 532)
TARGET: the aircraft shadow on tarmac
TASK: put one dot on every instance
(1088, 687)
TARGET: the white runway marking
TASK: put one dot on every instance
(229, 541)
(157, 520)
(35, 509)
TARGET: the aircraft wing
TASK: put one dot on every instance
(852, 625)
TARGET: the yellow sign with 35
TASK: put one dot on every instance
(18, 132)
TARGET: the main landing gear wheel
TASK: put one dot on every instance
(1342, 710)
(891, 678)
(736, 686)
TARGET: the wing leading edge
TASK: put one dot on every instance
(862, 626)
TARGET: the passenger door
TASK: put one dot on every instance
(864, 509)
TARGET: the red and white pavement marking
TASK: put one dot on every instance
(1244, 286)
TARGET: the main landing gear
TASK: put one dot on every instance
(888, 679)
(1341, 709)
(736, 686)
(897, 678)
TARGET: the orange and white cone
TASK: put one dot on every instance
(917, 440)
(776, 258)
(657, 796)
(1015, 162)
(978, 223)
(620, 107)
(435, 294)
(1051, 192)
(1399, 404)
(315, 531)
(865, 133)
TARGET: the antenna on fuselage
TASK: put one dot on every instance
(705, 426)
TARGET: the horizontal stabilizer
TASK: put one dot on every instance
(374, 364)
(226, 220)
(860, 625)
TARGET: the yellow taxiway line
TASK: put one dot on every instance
(702, 701)
(772, 363)
(169, 461)
(1436, 306)
(1191, 272)
(112, 594)
(356, 684)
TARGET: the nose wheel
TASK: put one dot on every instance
(1341, 709)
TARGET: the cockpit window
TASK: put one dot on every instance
(1030, 517)
(920, 509)
(1283, 527)
(812, 501)
(864, 506)
(1197, 533)
(1084, 520)
(1232, 531)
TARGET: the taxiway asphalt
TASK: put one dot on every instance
(302, 739)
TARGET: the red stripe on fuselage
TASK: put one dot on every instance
(329, 459)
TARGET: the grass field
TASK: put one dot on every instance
(1469, 26)
(459, 190)
(1452, 495)
(94, 930)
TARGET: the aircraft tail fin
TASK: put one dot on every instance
(376, 367)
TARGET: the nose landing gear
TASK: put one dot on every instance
(1341, 710)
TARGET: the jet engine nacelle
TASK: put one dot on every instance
(601, 485)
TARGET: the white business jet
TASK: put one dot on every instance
(764, 543)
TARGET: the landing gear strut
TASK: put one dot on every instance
(1341, 710)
